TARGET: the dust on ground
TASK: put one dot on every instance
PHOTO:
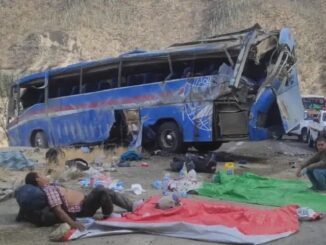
(269, 158)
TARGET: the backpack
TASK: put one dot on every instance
(33, 206)
(200, 163)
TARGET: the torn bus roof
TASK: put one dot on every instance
(232, 42)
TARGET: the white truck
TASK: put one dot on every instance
(316, 127)
(302, 129)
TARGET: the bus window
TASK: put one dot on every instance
(64, 85)
(199, 66)
(31, 95)
(144, 73)
(100, 79)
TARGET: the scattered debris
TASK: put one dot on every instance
(85, 149)
(229, 168)
(185, 182)
(144, 165)
(15, 160)
(96, 180)
(292, 164)
(53, 154)
(242, 161)
(5, 193)
(168, 202)
(117, 185)
(137, 189)
(201, 163)
(70, 174)
(307, 214)
(157, 184)
(123, 164)
(78, 163)
(59, 232)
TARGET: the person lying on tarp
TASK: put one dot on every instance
(68, 204)
(316, 166)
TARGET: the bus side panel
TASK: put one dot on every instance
(194, 124)
(14, 137)
(33, 119)
(74, 121)
(290, 102)
(37, 124)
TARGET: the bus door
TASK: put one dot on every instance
(288, 94)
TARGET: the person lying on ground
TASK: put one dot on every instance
(316, 166)
(68, 204)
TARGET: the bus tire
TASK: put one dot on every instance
(40, 140)
(169, 137)
(207, 146)
(311, 142)
(304, 135)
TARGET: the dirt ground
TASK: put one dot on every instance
(269, 158)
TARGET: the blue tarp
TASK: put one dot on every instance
(14, 160)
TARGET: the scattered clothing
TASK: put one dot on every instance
(137, 189)
(131, 155)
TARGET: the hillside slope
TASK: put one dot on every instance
(39, 34)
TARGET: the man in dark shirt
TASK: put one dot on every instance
(67, 204)
(316, 166)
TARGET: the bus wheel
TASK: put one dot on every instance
(40, 140)
(311, 142)
(169, 137)
(207, 146)
(304, 135)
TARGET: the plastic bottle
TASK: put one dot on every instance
(229, 168)
(192, 175)
(92, 182)
(165, 184)
(183, 172)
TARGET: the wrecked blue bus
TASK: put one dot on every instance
(230, 87)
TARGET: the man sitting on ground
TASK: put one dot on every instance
(316, 166)
(67, 204)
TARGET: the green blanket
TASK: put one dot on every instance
(251, 188)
